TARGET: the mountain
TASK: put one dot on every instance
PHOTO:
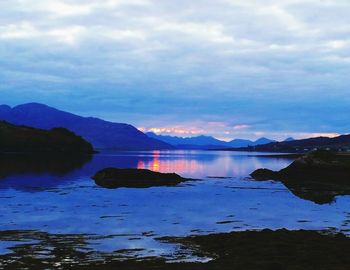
(205, 142)
(340, 143)
(239, 143)
(289, 139)
(21, 139)
(102, 134)
(193, 141)
(263, 140)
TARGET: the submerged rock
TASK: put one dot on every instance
(135, 178)
(319, 176)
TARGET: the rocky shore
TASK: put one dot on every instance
(319, 176)
(249, 250)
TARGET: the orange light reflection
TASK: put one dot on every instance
(169, 165)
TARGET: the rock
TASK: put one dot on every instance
(319, 176)
(263, 174)
(318, 166)
(135, 178)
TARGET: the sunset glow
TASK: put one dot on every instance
(175, 134)
(172, 130)
(190, 68)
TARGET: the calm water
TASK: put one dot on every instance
(57, 196)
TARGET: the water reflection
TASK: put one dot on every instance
(29, 172)
(21, 164)
(320, 193)
(180, 166)
(197, 164)
(67, 201)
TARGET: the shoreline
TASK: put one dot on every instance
(245, 250)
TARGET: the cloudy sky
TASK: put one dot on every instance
(228, 68)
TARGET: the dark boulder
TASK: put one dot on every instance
(135, 178)
(321, 166)
(264, 174)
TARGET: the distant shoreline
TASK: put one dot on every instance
(278, 155)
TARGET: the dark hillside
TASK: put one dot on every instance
(21, 139)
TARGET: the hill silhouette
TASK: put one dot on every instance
(22, 139)
(340, 143)
(205, 142)
(102, 134)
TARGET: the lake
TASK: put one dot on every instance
(54, 198)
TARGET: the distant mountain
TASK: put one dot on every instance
(21, 139)
(102, 134)
(340, 143)
(190, 141)
(239, 143)
(289, 139)
(263, 140)
(205, 142)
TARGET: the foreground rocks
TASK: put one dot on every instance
(135, 178)
(319, 176)
(269, 250)
(250, 250)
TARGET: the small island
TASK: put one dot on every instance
(319, 176)
(135, 178)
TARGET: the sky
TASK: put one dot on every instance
(227, 68)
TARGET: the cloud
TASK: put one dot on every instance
(239, 127)
(58, 9)
(173, 130)
(27, 31)
(278, 67)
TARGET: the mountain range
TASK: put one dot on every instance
(101, 134)
(340, 143)
(206, 142)
(109, 135)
